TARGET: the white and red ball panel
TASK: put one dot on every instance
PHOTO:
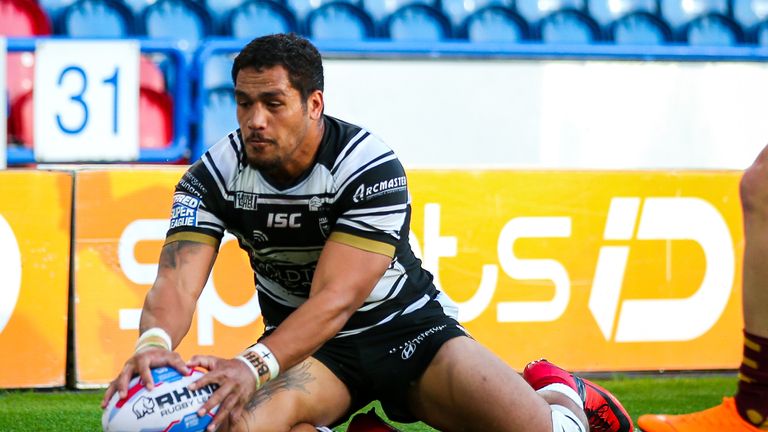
(170, 407)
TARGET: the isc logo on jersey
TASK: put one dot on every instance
(170, 407)
(184, 210)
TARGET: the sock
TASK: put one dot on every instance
(752, 395)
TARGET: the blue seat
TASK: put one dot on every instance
(302, 8)
(418, 22)
(640, 28)
(97, 19)
(605, 12)
(219, 10)
(761, 34)
(379, 10)
(256, 18)
(182, 20)
(219, 117)
(458, 10)
(534, 10)
(568, 27)
(53, 8)
(217, 70)
(339, 21)
(495, 24)
(137, 6)
(713, 30)
(678, 13)
(749, 13)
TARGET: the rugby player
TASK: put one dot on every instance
(747, 411)
(322, 209)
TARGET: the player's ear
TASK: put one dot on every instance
(315, 104)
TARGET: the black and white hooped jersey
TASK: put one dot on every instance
(355, 193)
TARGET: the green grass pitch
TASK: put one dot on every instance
(64, 411)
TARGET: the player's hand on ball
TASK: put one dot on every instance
(140, 363)
(237, 385)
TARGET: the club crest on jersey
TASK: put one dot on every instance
(245, 200)
(325, 226)
(364, 193)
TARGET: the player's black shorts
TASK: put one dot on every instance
(383, 362)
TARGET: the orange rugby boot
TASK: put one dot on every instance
(721, 418)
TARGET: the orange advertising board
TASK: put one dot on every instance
(594, 270)
(35, 219)
(121, 219)
(597, 271)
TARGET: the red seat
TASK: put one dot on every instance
(23, 18)
(150, 75)
(155, 119)
(20, 74)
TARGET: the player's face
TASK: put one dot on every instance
(275, 122)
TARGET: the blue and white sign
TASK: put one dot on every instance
(3, 105)
(86, 101)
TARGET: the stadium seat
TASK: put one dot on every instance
(137, 6)
(640, 28)
(183, 20)
(20, 74)
(20, 124)
(749, 13)
(23, 18)
(302, 8)
(339, 21)
(495, 24)
(217, 70)
(605, 12)
(155, 119)
(713, 30)
(457, 11)
(256, 18)
(534, 10)
(53, 8)
(220, 10)
(219, 116)
(568, 27)
(379, 10)
(761, 34)
(678, 13)
(418, 22)
(150, 75)
(96, 19)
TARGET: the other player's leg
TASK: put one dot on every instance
(466, 387)
(748, 410)
(604, 412)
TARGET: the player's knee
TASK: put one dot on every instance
(564, 420)
(754, 187)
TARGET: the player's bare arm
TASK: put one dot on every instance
(183, 269)
(344, 278)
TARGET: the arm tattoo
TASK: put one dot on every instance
(169, 256)
(295, 378)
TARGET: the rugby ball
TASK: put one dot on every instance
(170, 407)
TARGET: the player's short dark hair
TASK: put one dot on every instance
(297, 55)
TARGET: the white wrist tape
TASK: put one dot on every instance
(262, 363)
(155, 337)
